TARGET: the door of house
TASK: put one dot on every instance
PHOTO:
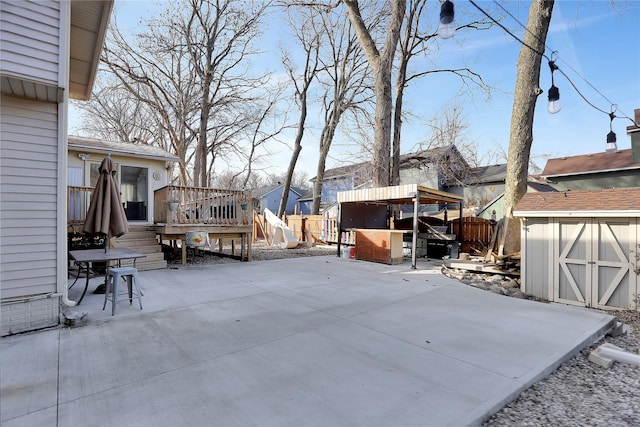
(596, 261)
(134, 185)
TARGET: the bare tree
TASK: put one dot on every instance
(381, 63)
(268, 122)
(524, 103)
(114, 114)
(218, 35)
(299, 179)
(155, 71)
(309, 41)
(345, 84)
(415, 41)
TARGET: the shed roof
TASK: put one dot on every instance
(590, 163)
(608, 202)
(92, 145)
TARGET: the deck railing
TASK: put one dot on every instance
(77, 204)
(196, 205)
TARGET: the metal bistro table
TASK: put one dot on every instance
(87, 256)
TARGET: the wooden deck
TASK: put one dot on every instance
(222, 214)
(230, 233)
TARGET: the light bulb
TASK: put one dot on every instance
(554, 100)
(446, 27)
(612, 147)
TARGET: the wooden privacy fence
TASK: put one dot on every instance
(302, 224)
(476, 233)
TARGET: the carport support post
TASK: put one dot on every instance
(339, 225)
(414, 242)
(460, 229)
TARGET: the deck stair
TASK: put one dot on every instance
(142, 238)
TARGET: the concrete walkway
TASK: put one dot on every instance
(317, 341)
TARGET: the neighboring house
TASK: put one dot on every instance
(142, 169)
(305, 202)
(497, 204)
(50, 53)
(479, 185)
(619, 169)
(428, 168)
(269, 198)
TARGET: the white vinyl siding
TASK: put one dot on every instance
(28, 185)
(29, 46)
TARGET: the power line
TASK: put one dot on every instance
(613, 105)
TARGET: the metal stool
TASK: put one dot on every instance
(130, 274)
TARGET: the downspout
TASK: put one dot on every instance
(63, 113)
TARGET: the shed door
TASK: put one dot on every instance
(573, 255)
(596, 262)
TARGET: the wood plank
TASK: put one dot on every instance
(479, 267)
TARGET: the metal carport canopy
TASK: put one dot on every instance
(400, 195)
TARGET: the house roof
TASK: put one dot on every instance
(263, 191)
(88, 26)
(91, 145)
(406, 161)
(608, 202)
(491, 173)
(89, 21)
(590, 163)
(482, 175)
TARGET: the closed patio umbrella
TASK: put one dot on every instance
(106, 214)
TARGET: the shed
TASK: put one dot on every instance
(582, 247)
(368, 208)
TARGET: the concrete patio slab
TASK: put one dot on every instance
(307, 342)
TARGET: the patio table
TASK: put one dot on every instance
(87, 256)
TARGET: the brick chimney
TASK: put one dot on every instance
(634, 133)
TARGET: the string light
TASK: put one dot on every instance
(612, 147)
(446, 27)
(554, 104)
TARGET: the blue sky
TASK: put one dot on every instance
(597, 44)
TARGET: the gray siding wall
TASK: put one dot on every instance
(536, 263)
(28, 185)
(30, 41)
(616, 179)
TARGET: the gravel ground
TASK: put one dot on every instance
(578, 393)
(260, 251)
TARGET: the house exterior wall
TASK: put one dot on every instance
(29, 233)
(157, 172)
(332, 186)
(422, 175)
(33, 47)
(304, 206)
(30, 40)
(271, 201)
(615, 179)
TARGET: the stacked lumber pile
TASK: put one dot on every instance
(493, 260)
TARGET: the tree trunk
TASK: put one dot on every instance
(525, 96)
(381, 64)
(325, 143)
